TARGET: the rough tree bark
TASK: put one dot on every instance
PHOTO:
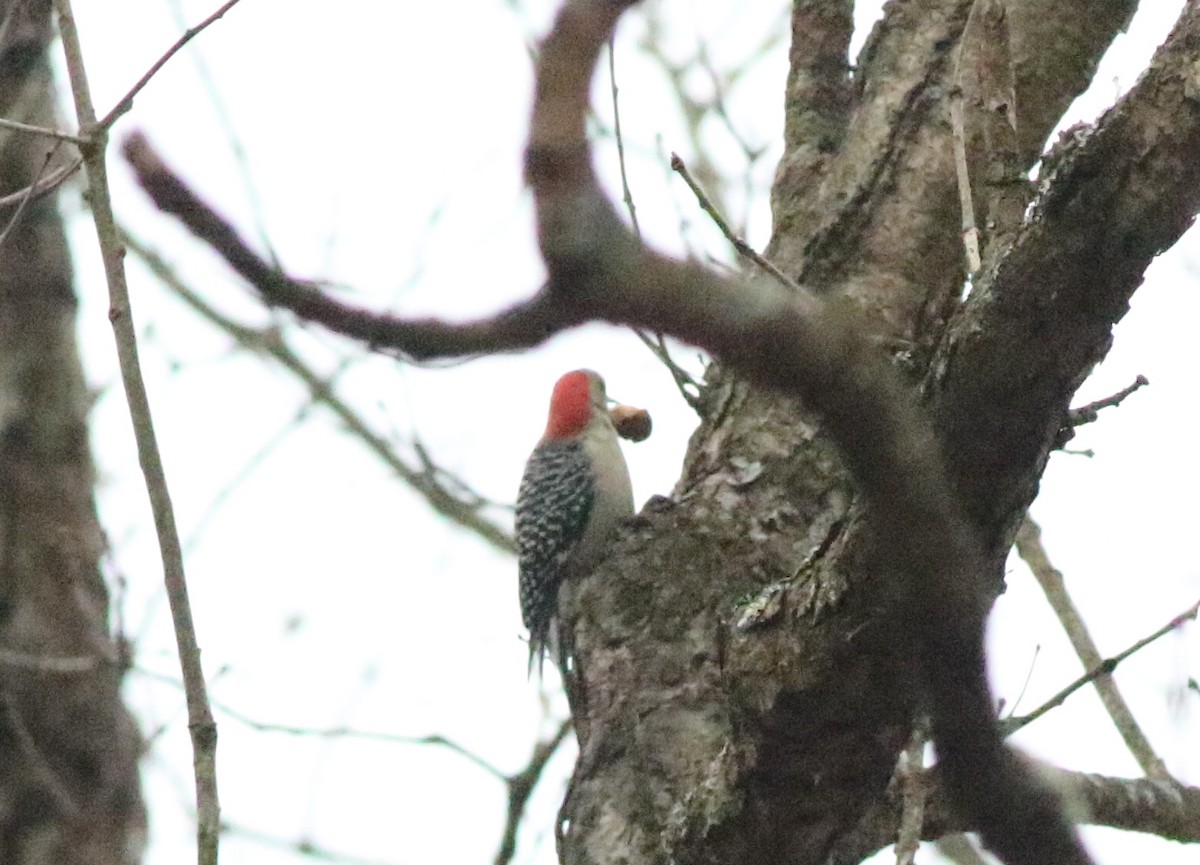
(749, 659)
(69, 790)
(772, 744)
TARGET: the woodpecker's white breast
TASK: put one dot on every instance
(613, 500)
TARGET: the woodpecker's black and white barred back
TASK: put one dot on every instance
(574, 494)
(553, 507)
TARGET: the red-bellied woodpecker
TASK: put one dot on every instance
(574, 493)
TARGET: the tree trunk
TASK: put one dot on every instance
(69, 792)
(739, 655)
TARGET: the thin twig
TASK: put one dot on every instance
(126, 102)
(238, 478)
(520, 788)
(200, 721)
(28, 196)
(656, 345)
(984, 118)
(721, 84)
(1088, 413)
(18, 126)
(1033, 552)
(682, 378)
(1012, 710)
(743, 248)
(47, 184)
(342, 732)
(1012, 725)
(520, 785)
(322, 390)
(339, 732)
(626, 194)
(694, 112)
(237, 149)
(299, 846)
(451, 482)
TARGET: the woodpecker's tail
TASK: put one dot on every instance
(543, 643)
(537, 650)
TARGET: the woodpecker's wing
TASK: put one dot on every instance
(553, 506)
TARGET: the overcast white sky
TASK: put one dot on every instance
(382, 142)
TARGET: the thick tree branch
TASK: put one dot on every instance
(818, 97)
(1032, 330)
(1157, 807)
(880, 221)
(1056, 47)
(522, 326)
(1164, 808)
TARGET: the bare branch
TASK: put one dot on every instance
(966, 201)
(1033, 552)
(366, 735)
(1090, 412)
(46, 185)
(743, 248)
(958, 128)
(17, 126)
(1104, 668)
(1127, 191)
(819, 95)
(522, 326)
(30, 193)
(657, 346)
(520, 788)
(445, 493)
(1163, 808)
(340, 732)
(626, 194)
(299, 846)
(200, 721)
(126, 102)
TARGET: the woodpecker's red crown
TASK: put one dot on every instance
(576, 396)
